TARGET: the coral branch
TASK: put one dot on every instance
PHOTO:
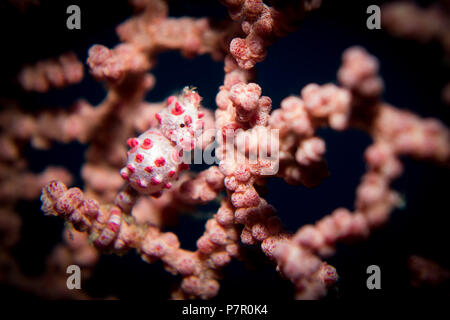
(53, 73)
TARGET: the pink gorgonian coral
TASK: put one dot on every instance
(141, 166)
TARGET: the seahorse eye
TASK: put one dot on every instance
(182, 125)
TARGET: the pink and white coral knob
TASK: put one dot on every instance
(155, 157)
(153, 163)
(181, 119)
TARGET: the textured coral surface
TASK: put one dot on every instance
(146, 214)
